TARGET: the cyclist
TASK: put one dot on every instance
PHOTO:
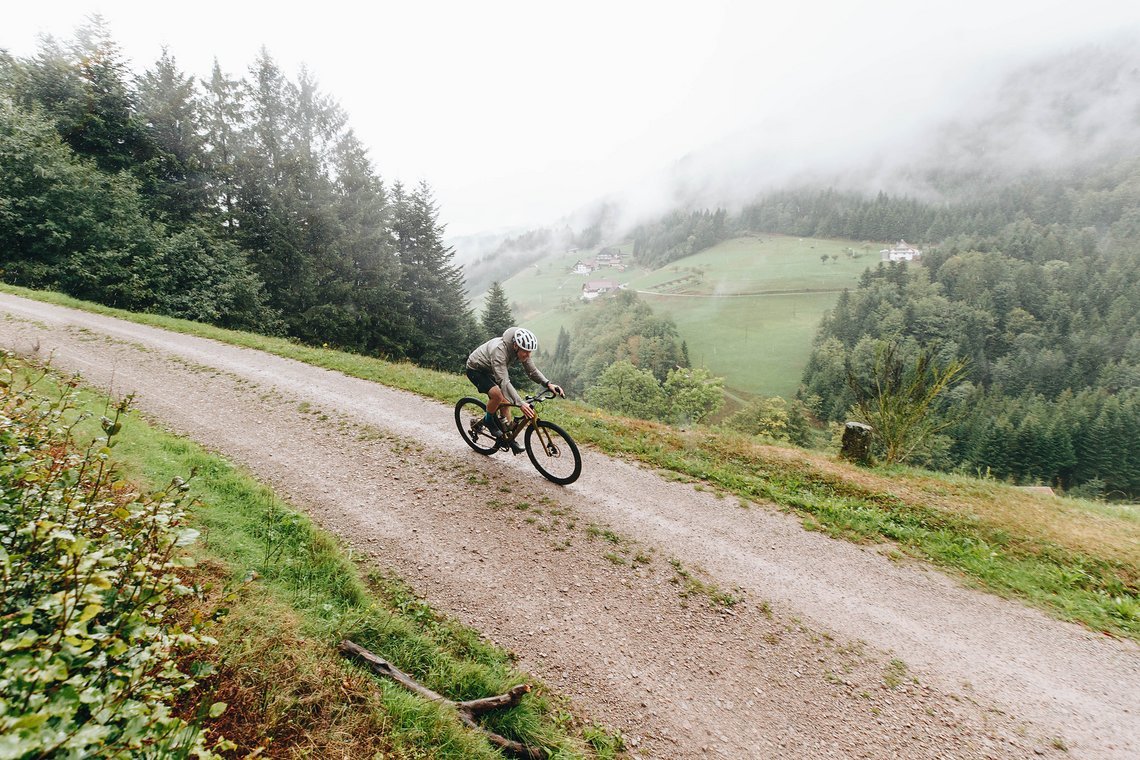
(487, 369)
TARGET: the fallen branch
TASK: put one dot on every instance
(467, 711)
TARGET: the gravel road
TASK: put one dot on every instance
(602, 587)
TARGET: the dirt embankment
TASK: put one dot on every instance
(602, 588)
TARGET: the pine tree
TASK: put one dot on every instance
(174, 179)
(272, 218)
(370, 271)
(560, 367)
(443, 327)
(497, 315)
(108, 129)
(222, 122)
(49, 81)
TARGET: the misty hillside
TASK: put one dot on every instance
(1078, 110)
(1026, 209)
(1073, 109)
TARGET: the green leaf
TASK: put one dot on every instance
(89, 612)
(32, 720)
(203, 669)
(186, 536)
(217, 709)
(100, 581)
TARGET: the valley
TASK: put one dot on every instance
(747, 308)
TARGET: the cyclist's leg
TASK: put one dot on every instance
(484, 383)
(495, 399)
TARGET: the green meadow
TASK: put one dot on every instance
(748, 308)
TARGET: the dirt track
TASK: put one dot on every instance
(835, 651)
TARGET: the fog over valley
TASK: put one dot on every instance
(1072, 107)
(521, 115)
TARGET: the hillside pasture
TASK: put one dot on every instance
(759, 344)
(764, 264)
(551, 283)
(748, 308)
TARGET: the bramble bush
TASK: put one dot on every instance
(88, 582)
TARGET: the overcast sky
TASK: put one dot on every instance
(517, 112)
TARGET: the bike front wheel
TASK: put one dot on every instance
(553, 452)
(469, 419)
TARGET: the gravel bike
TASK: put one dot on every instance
(551, 449)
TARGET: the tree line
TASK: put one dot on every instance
(247, 202)
(1091, 198)
(1045, 311)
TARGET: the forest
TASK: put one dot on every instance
(247, 202)
(250, 204)
(1045, 310)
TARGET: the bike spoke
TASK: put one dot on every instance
(553, 453)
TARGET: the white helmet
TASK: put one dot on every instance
(525, 339)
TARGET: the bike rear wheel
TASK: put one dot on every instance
(469, 419)
(553, 452)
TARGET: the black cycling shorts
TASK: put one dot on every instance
(482, 380)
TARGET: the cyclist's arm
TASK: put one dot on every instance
(501, 376)
(535, 373)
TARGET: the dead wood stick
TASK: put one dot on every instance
(466, 711)
(510, 699)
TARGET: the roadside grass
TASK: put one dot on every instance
(1077, 561)
(284, 594)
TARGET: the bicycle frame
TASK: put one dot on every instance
(518, 424)
(550, 448)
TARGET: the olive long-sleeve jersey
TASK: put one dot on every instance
(496, 356)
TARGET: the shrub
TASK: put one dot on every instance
(88, 577)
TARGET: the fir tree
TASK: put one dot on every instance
(108, 129)
(443, 327)
(222, 122)
(560, 366)
(174, 179)
(497, 315)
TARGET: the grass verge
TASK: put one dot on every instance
(283, 594)
(1075, 560)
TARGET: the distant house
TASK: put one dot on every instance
(595, 288)
(583, 267)
(901, 251)
(609, 257)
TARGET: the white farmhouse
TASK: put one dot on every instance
(595, 288)
(902, 251)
